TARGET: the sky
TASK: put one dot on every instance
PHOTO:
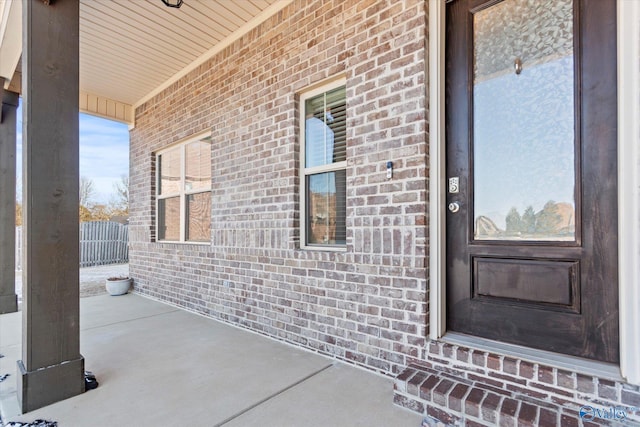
(104, 153)
(524, 140)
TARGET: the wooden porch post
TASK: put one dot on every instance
(8, 297)
(51, 368)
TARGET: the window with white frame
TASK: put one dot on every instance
(184, 192)
(323, 165)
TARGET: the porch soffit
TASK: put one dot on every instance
(131, 50)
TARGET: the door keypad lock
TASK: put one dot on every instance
(454, 185)
(454, 188)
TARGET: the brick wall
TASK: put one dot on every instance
(366, 304)
(463, 386)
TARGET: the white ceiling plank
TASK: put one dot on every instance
(136, 14)
(131, 50)
(200, 18)
(247, 5)
(233, 7)
(121, 47)
(173, 21)
(147, 66)
(117, 84)
(10, 40)
(260, 4)
(113, 77)
(276, 6)
(224, 14)
(118, 87)
(138, 34)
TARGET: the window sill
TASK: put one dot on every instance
(557, 360)
(322, 248)
(177, 242)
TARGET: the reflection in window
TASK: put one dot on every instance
(523, 123)
(169, 164)
(325, 129)
(327, 208)
(184, 192)
(324, 166)
(198, 165)
(199, 217)
(169, 218)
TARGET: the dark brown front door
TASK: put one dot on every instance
(531, 162)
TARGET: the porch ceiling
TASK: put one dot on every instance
(131, 50)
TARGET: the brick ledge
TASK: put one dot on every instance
(447, 399)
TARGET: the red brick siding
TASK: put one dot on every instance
(493, 389)
(367, 304)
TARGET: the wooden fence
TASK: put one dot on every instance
(101, 243)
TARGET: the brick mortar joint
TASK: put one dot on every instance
(578, 398)
(537, 367)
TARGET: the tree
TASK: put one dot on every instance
(528, 220)
(549, 220)
(85, 214)
(119, 203)
(18, 213)
(514, 222)
(100, 212)
(87, 191)
(18, 202)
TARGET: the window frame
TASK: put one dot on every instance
(182, 193)
(311, 92)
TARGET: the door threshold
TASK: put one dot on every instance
(604, 370)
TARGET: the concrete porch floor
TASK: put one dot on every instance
(161, 366)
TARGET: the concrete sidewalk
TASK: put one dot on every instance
(161, 366)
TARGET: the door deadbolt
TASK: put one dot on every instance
(454, 207)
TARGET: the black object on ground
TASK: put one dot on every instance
(36, 423)
(90, 381)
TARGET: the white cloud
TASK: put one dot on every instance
(104, 152)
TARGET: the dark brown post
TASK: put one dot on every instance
(51, 368)
(8, 297)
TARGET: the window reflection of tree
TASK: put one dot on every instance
(327, 211)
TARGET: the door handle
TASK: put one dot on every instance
(454, 207)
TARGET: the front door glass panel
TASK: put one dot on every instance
(524, 174)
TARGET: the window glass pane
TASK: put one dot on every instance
(198, 164)
(523, 121)
(169, 219)
(325, 128)
(169, 166)
(199, 217)
(327, 208)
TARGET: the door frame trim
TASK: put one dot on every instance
(628, 185)
(437, 171)
(628, 35)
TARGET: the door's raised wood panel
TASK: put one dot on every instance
(539, 282)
